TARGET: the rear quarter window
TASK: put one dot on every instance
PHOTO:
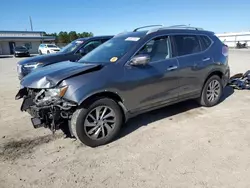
(206, 42)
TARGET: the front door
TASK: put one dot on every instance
(155, 83)
(12, 47)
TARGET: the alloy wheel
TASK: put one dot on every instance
(213, 90)
(99, 122)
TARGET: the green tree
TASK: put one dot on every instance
(63, 37)
(72, 36)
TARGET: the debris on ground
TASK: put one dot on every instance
(240, 81)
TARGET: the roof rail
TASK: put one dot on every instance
(183, 27)
(136, 29)
(174, 27)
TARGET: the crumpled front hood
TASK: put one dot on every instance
(50, 76)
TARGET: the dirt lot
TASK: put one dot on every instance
(182, 145)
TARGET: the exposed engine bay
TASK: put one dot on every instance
(47, 108)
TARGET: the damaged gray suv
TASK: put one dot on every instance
(132, 73)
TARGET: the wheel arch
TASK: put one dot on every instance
(105, 94)
(217, 72)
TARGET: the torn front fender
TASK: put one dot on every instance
(21, 93)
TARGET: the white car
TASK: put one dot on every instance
(48, 48)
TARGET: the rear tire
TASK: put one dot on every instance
(48, 52)
(94, 130)
(40, 52)
(211, 92)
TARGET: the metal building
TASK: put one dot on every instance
(30, 39)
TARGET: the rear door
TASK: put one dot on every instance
(189, 52)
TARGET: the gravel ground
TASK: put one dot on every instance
(183, 145)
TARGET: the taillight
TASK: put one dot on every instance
(225, 50)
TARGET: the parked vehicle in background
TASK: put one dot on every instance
(48, 49)
(130, 74)
(20, 51)
(72, 52)
(241, 45)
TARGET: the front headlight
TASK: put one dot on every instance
(49, 96)
(32, 65)
(56, 92)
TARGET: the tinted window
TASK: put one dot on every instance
(206, 42)
(104, 40)
(157, 49)
(186, 44)
(72, 46)
(20, 48)
(91, 46)
(51, 46)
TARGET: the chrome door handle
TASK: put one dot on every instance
(172, 68)
(206, 59)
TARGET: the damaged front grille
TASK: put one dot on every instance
(47, 110)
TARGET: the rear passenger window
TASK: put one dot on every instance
(186, 44)
(206, 42)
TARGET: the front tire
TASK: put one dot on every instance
(97, 124)
(211, 92)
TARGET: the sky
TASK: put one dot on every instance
(108, 17)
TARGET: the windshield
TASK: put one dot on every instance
(71, 46)
(20, 48)
(51, 46)
(110, 51)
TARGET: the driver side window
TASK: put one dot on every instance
(89, 47)
(157, 48)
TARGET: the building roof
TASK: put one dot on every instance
(24, 35)
(40, 38)
(2, 31)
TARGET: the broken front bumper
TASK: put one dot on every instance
(51, 116)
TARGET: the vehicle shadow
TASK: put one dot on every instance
(166, 112)
(228, 91)
(5, 56)
(33, 55)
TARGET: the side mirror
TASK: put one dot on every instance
(142, 59)
(82, 51)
